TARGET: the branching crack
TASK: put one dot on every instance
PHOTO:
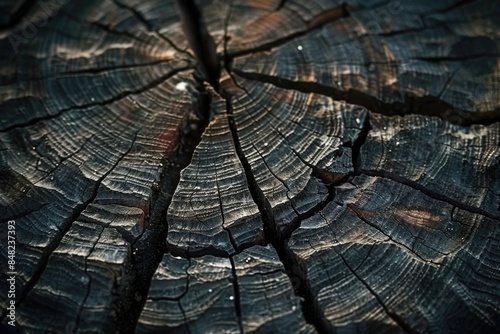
(148, 248)
(77, 211)
(272, 234)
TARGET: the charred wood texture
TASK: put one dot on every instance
(251, 166)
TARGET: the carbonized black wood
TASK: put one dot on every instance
(338, 172)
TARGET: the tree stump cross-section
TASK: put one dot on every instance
(237, 166)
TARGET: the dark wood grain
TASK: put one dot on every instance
(331, 167)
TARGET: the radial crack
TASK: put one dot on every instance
(316, 22)
(358, 143)
(200, 41)
(116, 98)
(92, 71)
(228, 231)
(359, 214)
(148, 249)
(397, 318)
(77, 211)
(236, 297)
(424, 105)
(87, 293)
(272, 234)
(138, 15)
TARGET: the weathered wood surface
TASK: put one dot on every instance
(342, 175)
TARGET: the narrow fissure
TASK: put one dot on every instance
(361, 217)
(184, 317)
(140, 17)
(200, 41)
(316, 22)
(294, 269)
(90, 70)
(148, 249)
(228, 231)
(395, 317)
(274, 237)
(258, 196)
(85, 268)
(358, 143)
(236, 297)
(295, 224)
(17, 15)
(425, 105)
